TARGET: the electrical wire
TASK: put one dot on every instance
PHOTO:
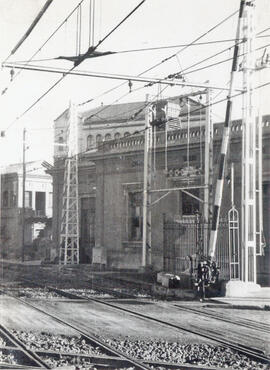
(220, 62)
(107, 106)
(50, 37)
(266, 29)
(75, 65)
(119, 24)
(102, 144)
(164, 60)
(58, 81)
(120, 85)
(182, 73)
(147, 49)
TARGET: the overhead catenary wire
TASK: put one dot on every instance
(106, 107)
(181, 115)
(75, 65)
(150, 49)
(96, 74)
(57, 82)
(217, 63)
(49, 38)
(154, 66)
(203, 106)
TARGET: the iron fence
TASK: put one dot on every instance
(183, 243)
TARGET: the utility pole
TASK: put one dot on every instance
(148, 137)
(208, 169)
(23, 193)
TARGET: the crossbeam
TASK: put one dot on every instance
(150, 80)
(181, 188)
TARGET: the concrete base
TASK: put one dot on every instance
(237, 288)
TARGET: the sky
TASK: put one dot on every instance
(155, 23)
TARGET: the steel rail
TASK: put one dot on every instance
(249, 351)
(119, 355)
(20, 346)
(238, 320)
(214, 316)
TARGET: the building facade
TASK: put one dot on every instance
(111, 184)
(38, 206)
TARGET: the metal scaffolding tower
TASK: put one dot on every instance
(69, 236)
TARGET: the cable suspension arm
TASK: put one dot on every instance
(151, 80)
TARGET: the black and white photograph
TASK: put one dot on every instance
(134, 184)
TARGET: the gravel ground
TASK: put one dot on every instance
(7, 358)
(3, 343)
(79, 363)
(88, 293)
(36, 293)
(58, 343)
(173, 352)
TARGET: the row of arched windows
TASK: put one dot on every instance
(91, 139)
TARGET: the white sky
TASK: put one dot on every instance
(156, 23)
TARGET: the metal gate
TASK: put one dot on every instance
(183, 240)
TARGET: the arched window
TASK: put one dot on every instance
(90, 141)
(126, 134)
(117, 135)
(98, 138)
(108, 137)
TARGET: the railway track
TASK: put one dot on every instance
(14, 353)
(251, 324)
(207, 334)
(111, 359)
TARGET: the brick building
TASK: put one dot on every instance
(111, 181)
(38, 205)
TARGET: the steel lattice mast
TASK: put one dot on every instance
(69, 236)
(251, 226)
